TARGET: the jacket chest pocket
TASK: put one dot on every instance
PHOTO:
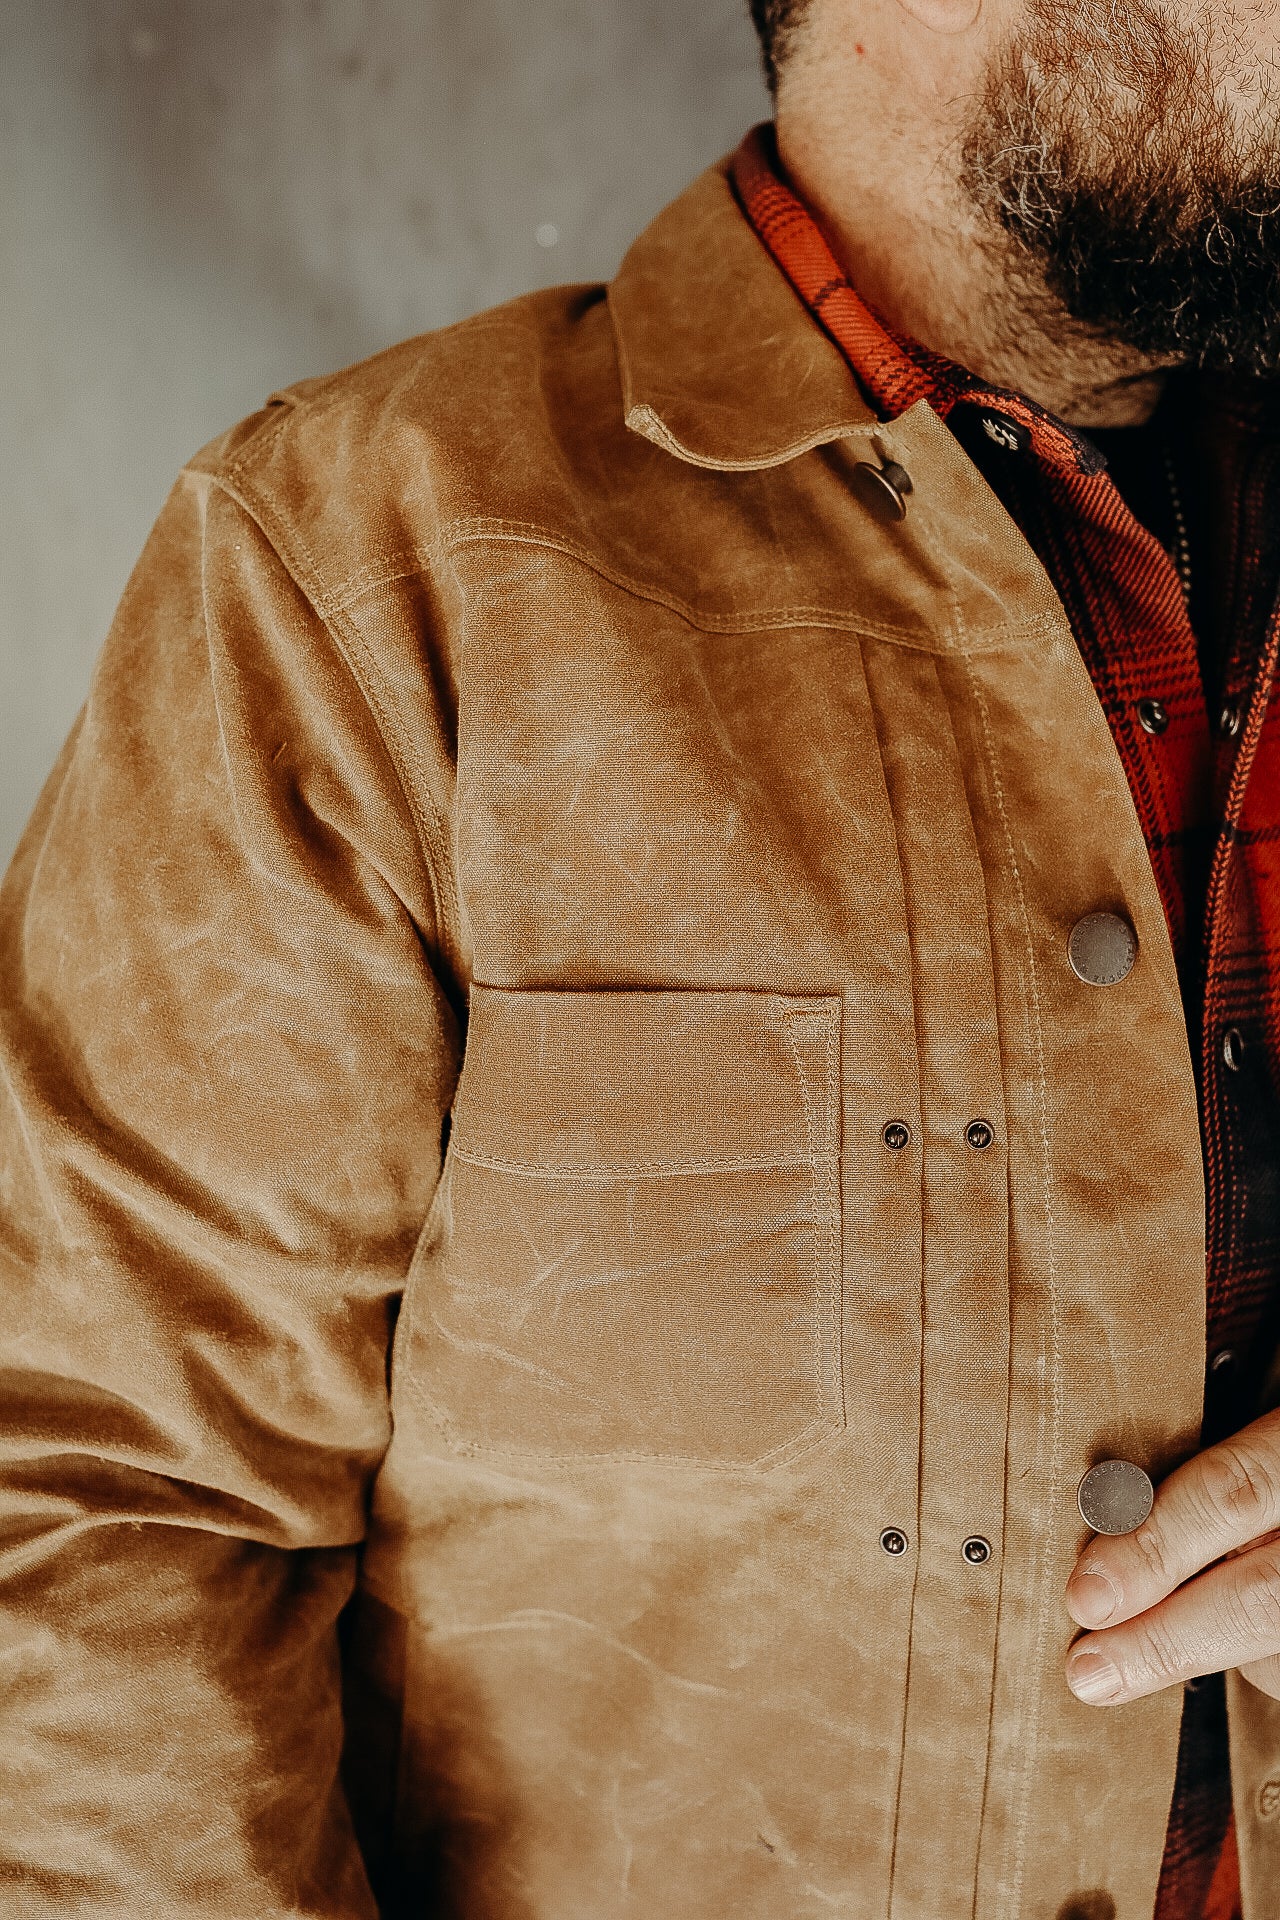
(635, 1251)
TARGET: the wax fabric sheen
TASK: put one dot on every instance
(536, 840)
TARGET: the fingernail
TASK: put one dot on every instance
(1094, 1596)
(1093, 1679)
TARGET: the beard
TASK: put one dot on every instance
(1127, 167)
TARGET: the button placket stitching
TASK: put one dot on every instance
(1022, 1818)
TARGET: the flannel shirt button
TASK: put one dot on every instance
(1229, 721)
(883, 489)
(1223, 1361)
(1102, 949)
(1003, 432)
(1153, 716)
(1233, 1049)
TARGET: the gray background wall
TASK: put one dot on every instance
(201, 200)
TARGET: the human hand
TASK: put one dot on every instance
(1195, 1589)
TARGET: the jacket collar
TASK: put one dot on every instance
(721, 363)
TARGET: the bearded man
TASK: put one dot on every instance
(625, 1024)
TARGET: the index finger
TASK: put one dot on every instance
(1222, 1500)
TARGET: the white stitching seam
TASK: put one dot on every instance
(352, 649)
(643, 1169)
(520, 533)
(820, 1161)
(1051, 1274)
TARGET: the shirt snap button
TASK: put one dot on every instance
(1102, 949)
(894, 1541)
(1233, 1049)
(976, 1550)
(1153, 716)
(1229, 721)
(883, 489)
(1223, 1360)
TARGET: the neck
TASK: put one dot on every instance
(918, 254)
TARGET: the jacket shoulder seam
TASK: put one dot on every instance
(350, 646)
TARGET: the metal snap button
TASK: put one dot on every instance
(883, 489)
(1233, 1049)
(1096, 1904)
(1153, 716)
(976, 1550)
(1229, 721)
(1102, 949)
(1115, 1496)
(979, 1134)
(1223, 1361)
(894, 1541)
(897, 1135)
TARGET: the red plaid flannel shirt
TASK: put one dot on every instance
(1208, 798)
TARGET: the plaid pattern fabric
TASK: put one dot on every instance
(1208, 798)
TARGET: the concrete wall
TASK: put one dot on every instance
(206, 199)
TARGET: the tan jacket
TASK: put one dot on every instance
(534, 727)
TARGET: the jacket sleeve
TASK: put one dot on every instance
(225, 1059)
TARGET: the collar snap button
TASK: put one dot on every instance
(883, 489)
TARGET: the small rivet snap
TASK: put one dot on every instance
(1115, 1497)
(1229, 721)
(1096, 1904)
(976, 1550)
(979, 1134)
(897, 1135)
(894, 1541)
(1153, 716)
(1102, 949)
(1223, 1360)
(1233, 1049)
(883, 489)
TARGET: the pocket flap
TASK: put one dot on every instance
(660, 1081)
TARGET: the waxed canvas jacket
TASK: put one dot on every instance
(533, 830)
